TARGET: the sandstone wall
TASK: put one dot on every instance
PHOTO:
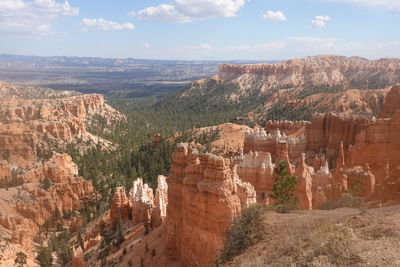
(326, 132)
(203, 199)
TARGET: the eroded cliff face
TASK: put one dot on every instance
(32, 126)
(379, 142)
(203, 199)
(326, 131)
(341, 153)
(27, 207)
(346, 72)
(296, 89)
(391, 105)
(37, 183)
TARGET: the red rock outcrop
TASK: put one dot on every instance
(344, 142)
(391, 105)
(120, 207)
(202, 201)
(27, 207)
(78, 258)
(379, 141)
(304, 175)
(29, 126)
(326, 131)
(5, 172)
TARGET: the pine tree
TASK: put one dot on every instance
(44, 257)
(284, 187)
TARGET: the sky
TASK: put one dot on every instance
(200, 29)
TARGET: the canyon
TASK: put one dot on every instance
(349, 144)
(331, 155)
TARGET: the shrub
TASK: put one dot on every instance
(337, 244)
(345, 201)
(21, 259)
(244, 231)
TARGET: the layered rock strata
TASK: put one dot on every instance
(347, 153)
(26, 208)
(29, 127)
(203, 199)
(120, 207)
(327, 71)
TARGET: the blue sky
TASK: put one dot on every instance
(200, 29)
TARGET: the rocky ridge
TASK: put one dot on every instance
(301, 87)
(31, 127)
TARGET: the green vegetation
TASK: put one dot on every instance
(281, 111)
(134, 154)
(21, 259)
(46, 183)
(44, 256)
(244, 231)
(59, 243)
(284, 188)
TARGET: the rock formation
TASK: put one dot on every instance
(259, 140)
(120, 207)
(5, 172)
(203, 198)
(346, 152)
(327, 71)
(257, 169)
(326, 131)
(159, 212)
(296, 89)
(31, 126)
(78, 258)
(142, 198)
(26, 208)
(391, 105)
(37, 183)
(304, 175)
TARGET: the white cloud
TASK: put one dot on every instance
(201, 46)
(33, 17)
(184, 11)
(161, 13)
(274, 16)
(390, 5)
(145, 45)
(319, 21)
(104, 25)
(293, 47)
